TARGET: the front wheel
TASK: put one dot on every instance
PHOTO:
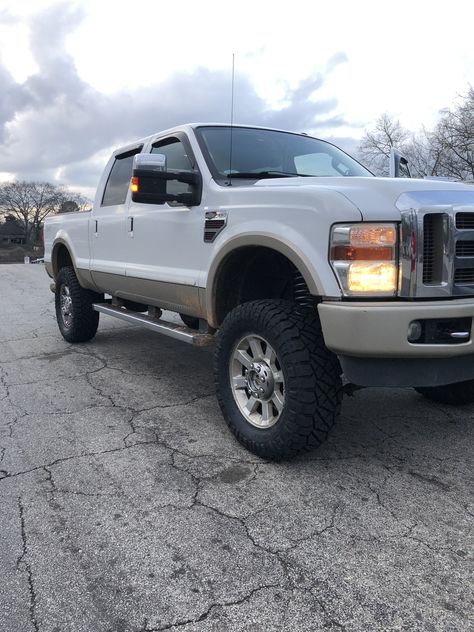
(278, 386)
(77, 320)
(453, 394)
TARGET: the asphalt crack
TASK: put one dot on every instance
(226, 604)
(3, 382)
(23, 564)
(46, 466)
(316, 533)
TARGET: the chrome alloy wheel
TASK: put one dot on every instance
(65, 304)
(257, 381)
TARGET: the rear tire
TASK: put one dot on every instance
(453, 394)
(77, 320)
(278, 386)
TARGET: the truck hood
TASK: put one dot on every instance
(381, 198)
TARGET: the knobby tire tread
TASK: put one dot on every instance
(313, 384)
(85, 320)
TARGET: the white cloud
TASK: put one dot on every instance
(56, 124)
(80, 77)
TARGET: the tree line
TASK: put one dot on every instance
(27, 204)
(447, 150)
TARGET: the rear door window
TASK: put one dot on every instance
(118, 182)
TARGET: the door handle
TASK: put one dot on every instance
(130, 225)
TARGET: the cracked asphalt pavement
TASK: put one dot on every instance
(127, 506)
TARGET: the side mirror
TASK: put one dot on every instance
(398, 167)
(152, 183)
(149, 162)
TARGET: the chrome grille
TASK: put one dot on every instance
(433, 235)
(465, 221)
(465, 249)
(437, 244)
(464, 259)
(464, 276)
(428, 249)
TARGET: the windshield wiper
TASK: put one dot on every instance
(258, 175)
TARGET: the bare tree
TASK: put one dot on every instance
(31, 202)
(422, 155)
(447, 151)
(75, 203)
(374, 150)
(453, 139)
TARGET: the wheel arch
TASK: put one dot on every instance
(61, 256)
(239, 247)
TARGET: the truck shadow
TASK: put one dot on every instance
(387, 424)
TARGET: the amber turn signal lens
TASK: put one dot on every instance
(134, 184)
(359, 253)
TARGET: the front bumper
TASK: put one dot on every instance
(371, 342)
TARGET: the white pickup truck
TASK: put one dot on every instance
(305, 268)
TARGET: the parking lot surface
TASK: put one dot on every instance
(127, 505)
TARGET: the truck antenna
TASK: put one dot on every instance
(231, 120)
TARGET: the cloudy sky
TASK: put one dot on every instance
(78, 78)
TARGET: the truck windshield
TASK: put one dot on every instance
(263, 153)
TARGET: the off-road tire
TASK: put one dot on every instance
(312, 377)
(453, 394)
(82, 322)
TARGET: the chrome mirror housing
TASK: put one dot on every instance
(149, 162)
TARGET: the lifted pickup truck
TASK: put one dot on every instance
(305, 267)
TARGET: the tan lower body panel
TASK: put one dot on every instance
(184, 299)
(85, 279)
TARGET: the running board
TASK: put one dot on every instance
(179, 332)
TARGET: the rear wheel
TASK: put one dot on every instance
(278, 386)
(77, 320)
(453, 394)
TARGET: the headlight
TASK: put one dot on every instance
(364, 258)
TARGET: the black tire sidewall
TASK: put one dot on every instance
(85, 319)
(299, 426)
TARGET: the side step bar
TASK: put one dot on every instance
(179, 332)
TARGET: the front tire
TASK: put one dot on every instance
(77, 320)
(453, 394)
(278, 386)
